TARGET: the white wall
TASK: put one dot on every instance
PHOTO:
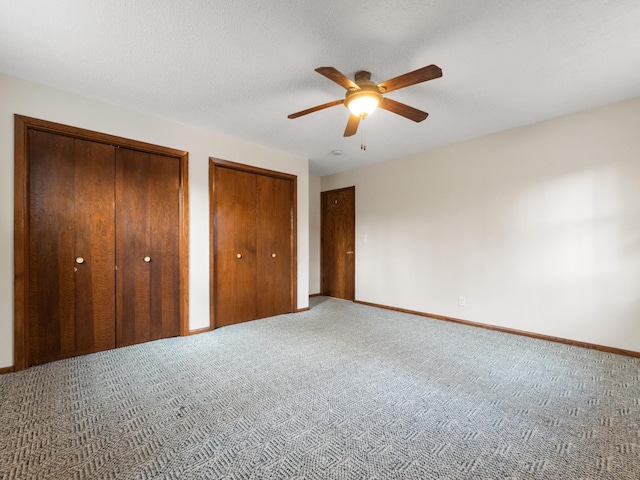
(25, 98)
(314, 234)
(538, 227)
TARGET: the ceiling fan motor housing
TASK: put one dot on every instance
(362, 75)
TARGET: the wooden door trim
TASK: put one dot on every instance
(322, 220)
(218, 162)
(22, 125)
(251, 169)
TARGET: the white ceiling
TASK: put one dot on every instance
(240, 67)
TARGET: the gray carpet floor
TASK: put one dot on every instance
(343, 391)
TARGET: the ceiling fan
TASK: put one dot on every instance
(363, 96)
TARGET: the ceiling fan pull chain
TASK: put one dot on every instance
(363, 143)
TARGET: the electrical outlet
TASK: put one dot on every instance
(462, 301)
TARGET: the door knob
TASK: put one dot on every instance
(239, 255)
(147, 259)
(349, 252)
(79, 260)
(273, 255)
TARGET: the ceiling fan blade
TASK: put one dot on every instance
(316, 108)
(404, 110)
(338, 77)
(352, 125)
(417, 76)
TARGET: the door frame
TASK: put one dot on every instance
(218, 162)
(322, 240)
(22, 125)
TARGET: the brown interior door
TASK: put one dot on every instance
(147, 215)
(274, 251)
(71, 238)
(338, 219)
(234, 246)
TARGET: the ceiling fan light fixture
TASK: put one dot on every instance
(364, 104)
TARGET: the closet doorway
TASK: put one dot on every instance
(101, 247)
(253, 242)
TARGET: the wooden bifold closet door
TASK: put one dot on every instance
(147, 215)
(274, 219)
(72, 247)
(253, 243)
(104, 246)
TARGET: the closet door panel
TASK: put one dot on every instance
(235, 246)
(95, 244)
(51, 247)
(274, 217)
(147, 218)
(133, 315)
(164, 211)
(71, 247)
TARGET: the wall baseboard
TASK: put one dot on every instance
(513, 331)
(305, 309)
(315, 295)
(4, 370)
(200, 330)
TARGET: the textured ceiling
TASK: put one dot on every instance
(240, 67)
